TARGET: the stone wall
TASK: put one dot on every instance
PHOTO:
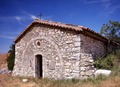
(90, 49)
(92, 46)
(59, 48)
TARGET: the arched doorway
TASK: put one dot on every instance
(39, 67)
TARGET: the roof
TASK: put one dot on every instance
(77, 28)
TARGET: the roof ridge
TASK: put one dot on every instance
(38, 20)
(60, 25)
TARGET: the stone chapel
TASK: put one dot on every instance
(48, 49)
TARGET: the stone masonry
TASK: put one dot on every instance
(66, 53)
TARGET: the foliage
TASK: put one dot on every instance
(11, 57)
(110, 61)
(115, 71)
(111, 30)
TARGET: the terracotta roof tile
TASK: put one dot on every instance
(61, 25)
(58, 24)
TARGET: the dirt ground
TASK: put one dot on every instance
(9, 81)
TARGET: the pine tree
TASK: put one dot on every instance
(11, 57)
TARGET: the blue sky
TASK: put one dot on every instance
(16, 15)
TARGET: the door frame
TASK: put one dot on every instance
(39, 66)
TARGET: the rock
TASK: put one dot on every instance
(91, 60)
(25, 80)
(9, 72)
(102, 72)
(82, 73)
(69, 77)
(5, 71)
(82, 68)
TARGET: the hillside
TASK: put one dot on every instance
(3, 62)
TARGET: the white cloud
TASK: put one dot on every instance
(11, 33)
(18, 18)
(105, 0)
(95, 1)
(32, 16)
(112, 9)
(25, 16)
(10, 18)
(109, 8)
(107, 5)
(7, 37)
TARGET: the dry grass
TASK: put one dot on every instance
(3, 57)
(111, 82)
(9, 81)
(3, 61)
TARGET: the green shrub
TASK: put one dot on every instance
(108, 62)
(11, 57)
(115, 71)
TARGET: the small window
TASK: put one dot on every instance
(38, 43)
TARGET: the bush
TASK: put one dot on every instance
(116, 71)
(110, 61)
(11, 57)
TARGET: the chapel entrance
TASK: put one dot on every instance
(39, 68)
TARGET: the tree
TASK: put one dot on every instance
(11, 57)
(111, 30)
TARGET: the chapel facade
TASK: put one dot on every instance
(50, 49)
